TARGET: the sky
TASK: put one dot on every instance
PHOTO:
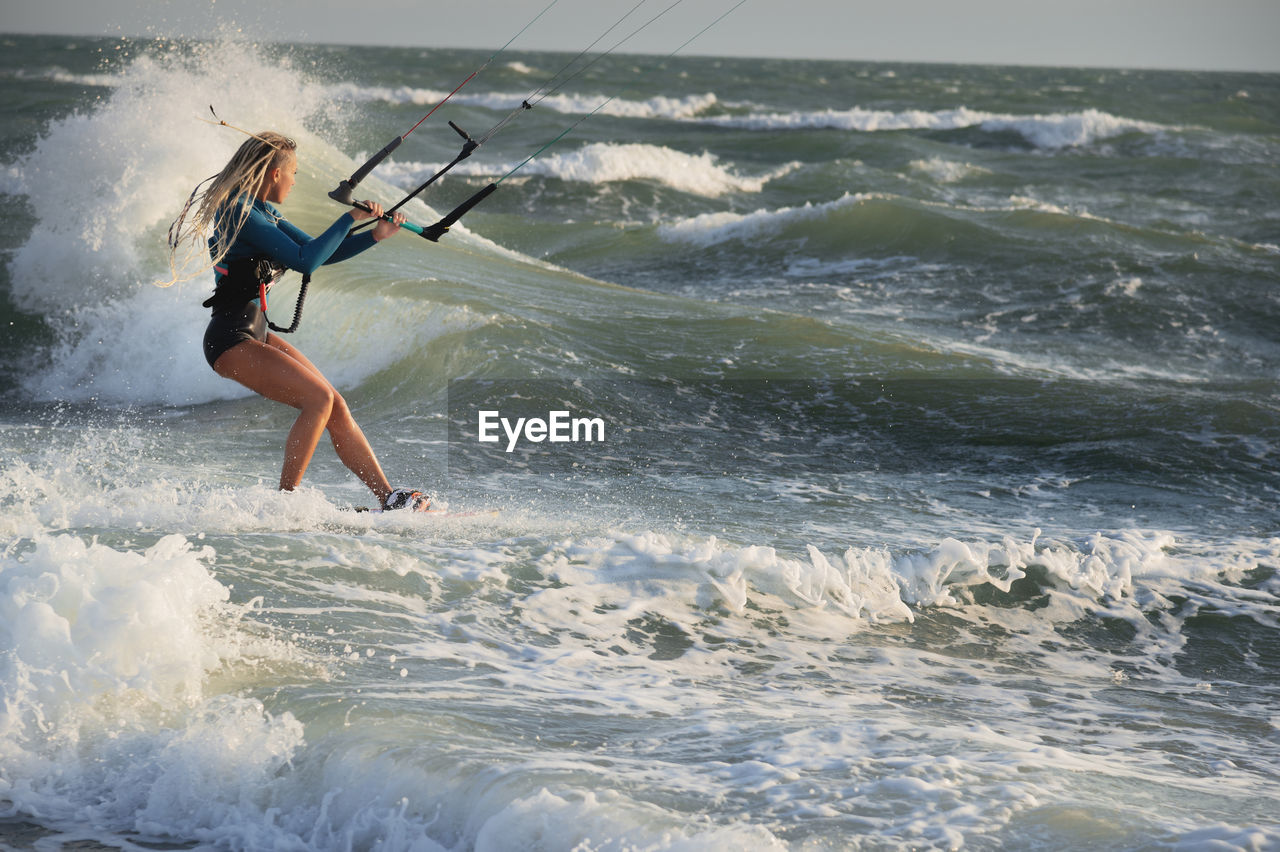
(1237, 35)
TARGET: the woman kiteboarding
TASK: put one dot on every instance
(251, 244)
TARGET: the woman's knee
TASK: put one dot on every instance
(339, 409)
(321, 399)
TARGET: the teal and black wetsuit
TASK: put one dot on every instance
(266, 235)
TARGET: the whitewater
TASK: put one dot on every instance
(936, 507)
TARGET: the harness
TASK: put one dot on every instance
(248, 278)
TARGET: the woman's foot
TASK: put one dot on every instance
(406, 498)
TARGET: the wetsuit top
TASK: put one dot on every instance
(238, 315)
(268, 234)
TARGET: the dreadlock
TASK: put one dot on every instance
(224, 204)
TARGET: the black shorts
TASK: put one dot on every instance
(227, 328)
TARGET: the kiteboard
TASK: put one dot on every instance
(431, 513)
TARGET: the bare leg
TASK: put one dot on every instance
(348, 439)
(280, 373)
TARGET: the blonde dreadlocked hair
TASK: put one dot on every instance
(224, 204)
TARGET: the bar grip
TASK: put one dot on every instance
(439, 229)
(342, 194)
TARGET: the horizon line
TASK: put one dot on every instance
(302, 41)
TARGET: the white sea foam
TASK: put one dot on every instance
(700, 174)
(711, 228)
(82, 620)
(946, 171)
(62, 75)
(1052, 130)
(104, 656)
(109, 718)
(684, 107)
(358, 93)
(1123, 575)
(606, 162)
(131, 680)
(1055, 130)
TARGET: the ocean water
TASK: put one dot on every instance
(936, 506)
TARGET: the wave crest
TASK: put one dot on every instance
(609, 162)
(1054, 130)
(659, 106)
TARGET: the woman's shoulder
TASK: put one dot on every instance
(254, 223)
(256, 206)
(258, 216)
(264, 210)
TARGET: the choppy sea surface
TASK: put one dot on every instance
(936, 506)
